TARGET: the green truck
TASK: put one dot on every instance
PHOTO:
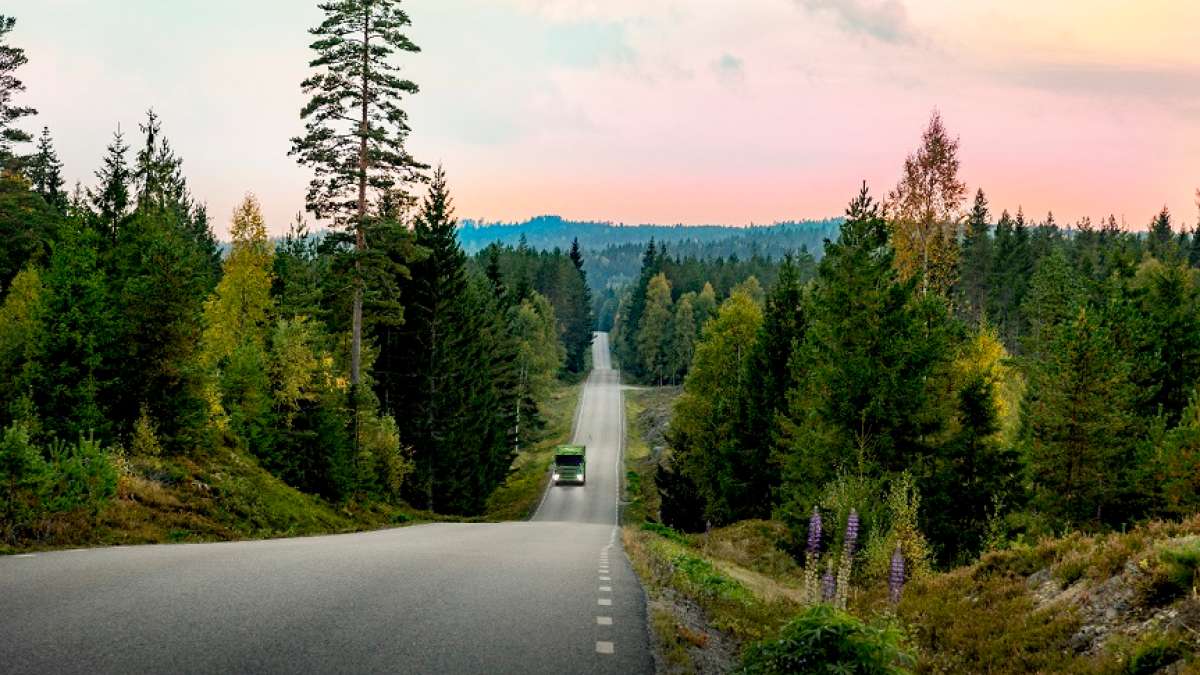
(570, 461)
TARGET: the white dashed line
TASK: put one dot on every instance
(604, 602)
(606, 589)
(604, 647)
(25, 555)
(604, 621)
(605, 578)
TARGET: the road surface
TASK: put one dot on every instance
(552, 595)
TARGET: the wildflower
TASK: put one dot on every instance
(896, 575)
(851, 539)
(828, 584)
(814, 532)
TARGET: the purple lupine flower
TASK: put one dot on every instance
(814, 532)
(828, 585)
(896, 575)
(851, 534)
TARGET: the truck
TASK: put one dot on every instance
(570, 464)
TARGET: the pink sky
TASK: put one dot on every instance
(693, 111)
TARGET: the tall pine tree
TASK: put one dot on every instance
(11, 58)
(355, 129)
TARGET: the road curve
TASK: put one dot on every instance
(552, 595)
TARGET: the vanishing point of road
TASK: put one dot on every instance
(554, 594)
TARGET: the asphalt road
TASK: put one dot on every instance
(552, 595)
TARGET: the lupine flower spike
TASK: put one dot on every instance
(814, 532)
(828, 584)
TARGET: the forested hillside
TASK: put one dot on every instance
(373, 370)
(948, 382)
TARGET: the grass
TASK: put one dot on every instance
(225, 495)
(521, 493)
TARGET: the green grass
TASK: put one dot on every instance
(521, 493)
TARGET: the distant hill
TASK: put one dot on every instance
(548, 232)
(613, 252)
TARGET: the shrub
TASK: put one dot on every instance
(1174, 572)
(827, 640)
(84, 476)
(23, 475)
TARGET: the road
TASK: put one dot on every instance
(554, 594)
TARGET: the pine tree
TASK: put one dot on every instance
(11, 58)
(976, 266)
(45, 172)
(1010, 278)
(631, 320)
(1076, 421)
(355, 129)
(111, 199)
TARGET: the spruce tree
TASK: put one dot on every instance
(1055, 294)
(976, 266)
(576, 319)
(1076, 423)
(355, 129)
(1161, 237)
(868, 365)
(11, 58)
(111, 198)
(45, 172)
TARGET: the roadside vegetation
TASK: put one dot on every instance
(156, 385)
(975, 437)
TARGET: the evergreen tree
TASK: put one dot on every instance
(28, 226)
(1162, 237)
(11, 58)
(868, 365)
(1054, 297)
(1010, 277)
(1076, 420)
(577, 320)
(355, 129)
(1169, 310)
(45, 172)
(976, 266)
(631, 320)
(111, 198)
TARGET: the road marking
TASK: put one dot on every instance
(25, 555)
(606, 589)
(605, 578)
(604, 621)
(606, 602)
(604, 647)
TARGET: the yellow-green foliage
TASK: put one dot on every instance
(520, 494)
(904, 503)
(984, 354)
(144, 441)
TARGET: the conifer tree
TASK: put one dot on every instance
(683, 338)
(11, 58)
(1162, 237)
(1054, 297)
(111, 198)
(577, 318)
(45, 172)
(868, 366)
(976, 266)
(355, 129)
(1076, 422)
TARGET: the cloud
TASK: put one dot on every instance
(730, 69)
(1176, 86)
(884, 20)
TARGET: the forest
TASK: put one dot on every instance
(376, 364)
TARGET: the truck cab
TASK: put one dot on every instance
(570, 464)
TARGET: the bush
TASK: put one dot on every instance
(827, 640)
(23, 475)
(1175, 572)
(84, 476)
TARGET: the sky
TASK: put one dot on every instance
(664, 111)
